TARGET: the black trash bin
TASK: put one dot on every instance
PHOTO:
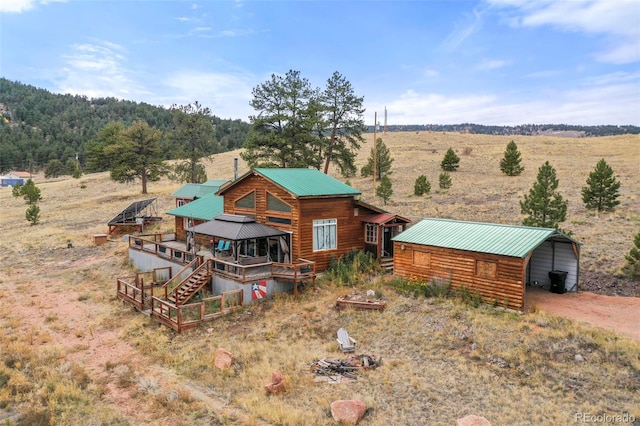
(558, 279)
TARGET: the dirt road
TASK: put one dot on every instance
(620, 314)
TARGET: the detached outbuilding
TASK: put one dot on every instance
(497, 261)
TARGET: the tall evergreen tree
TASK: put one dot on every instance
(510, 163)
(544, 206)
(385, 190)
(602, 190)
(281, 134)
(137, 155)
(345, 123)
(383, 161)
(450, 162)
(193, 138)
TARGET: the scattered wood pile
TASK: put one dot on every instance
(358, 301)
(333, 370)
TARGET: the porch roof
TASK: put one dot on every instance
(235, 228)
(383, 218)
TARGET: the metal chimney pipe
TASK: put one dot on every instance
(235, 168)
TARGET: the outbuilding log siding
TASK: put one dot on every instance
(494, 277)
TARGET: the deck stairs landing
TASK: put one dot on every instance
(190, 286)
(387, 264)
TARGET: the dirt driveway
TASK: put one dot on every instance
(620, 314)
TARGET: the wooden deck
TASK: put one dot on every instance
(159, 294)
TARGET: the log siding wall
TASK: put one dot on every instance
(350, 231)
(465, 269)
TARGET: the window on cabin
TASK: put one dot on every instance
(247, 202)
(371, 233)
(325, 233)
(486, 269)
(422, 258)
(279, 220)
(275, 204)
(181, 203)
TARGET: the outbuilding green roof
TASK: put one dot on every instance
(307, 182)
(505, 240)
(199, 190)
(205, 208)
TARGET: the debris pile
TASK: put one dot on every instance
(333, 370)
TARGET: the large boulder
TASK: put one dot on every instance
(223, 359)
(277, 383)
(348, 411)
(473, 420)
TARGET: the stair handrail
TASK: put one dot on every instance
(177, 279)
(205, 265)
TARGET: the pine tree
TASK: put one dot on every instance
(29, 191)
(602, 190)
(422, 186)
(33, 214)
(633, 258)
(383, 161)
(450, 162)
(444, 180)
(544, 206)
(384, 190)
(510, 164)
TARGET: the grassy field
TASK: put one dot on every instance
(72, 354)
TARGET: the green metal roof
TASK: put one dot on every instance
(199, 190)
(505, 240)
(307, 182)
(205, 208)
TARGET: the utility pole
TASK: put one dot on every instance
(375, 153)
(385, 120)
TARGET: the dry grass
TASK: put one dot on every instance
(71, 354)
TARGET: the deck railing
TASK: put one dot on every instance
(153, 244)
(299, 271)
(183, 317)
(177, 280)
(133, 288)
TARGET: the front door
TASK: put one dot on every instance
(387, 244)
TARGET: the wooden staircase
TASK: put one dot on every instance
(181, 294)
(387, 264)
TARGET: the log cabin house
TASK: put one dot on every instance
(322, 215)
(496, 261)
(266, 232)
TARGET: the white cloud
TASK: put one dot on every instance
(228, 95)
(608, 99)
(463, 30)
(492, 64)
(97, 70)
(19, 6)
(15, 6)
(617, 20)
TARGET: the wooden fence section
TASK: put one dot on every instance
(132, 288)
(184, 317)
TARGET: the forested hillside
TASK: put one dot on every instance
(37, 126)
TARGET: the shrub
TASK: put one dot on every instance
(450, 162)
(352, 268)
(444, 180)
(422, 185)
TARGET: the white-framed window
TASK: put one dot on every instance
(371, 233)
(181, 203)
(325, 234)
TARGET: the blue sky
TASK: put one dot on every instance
(492, 62)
